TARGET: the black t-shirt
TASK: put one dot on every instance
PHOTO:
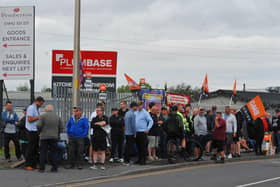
(97, 130)
(116, 123)
(122, 113)
(155, 130)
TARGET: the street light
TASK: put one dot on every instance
(76, 66)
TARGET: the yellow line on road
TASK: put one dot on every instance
(133, 176)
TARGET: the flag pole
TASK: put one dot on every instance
(200, 97)
(230, 101)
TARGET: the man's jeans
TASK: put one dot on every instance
(76, 151)
(277, 141)
(51, 146)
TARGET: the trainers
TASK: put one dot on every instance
(111, 160)
(214, 157)
(121, 160)
(93, 167)
(229, 156)
(150, 158)
(102, 167)
(90, 161)
(221, 161)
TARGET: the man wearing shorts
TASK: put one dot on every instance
(219, 136)
(153, 136)
(99, 142)
(231, 129)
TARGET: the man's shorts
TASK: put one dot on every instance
(153, 141)
(229, 138)
(218, 144)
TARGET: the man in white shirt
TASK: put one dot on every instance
(231, 129)
(32, 118)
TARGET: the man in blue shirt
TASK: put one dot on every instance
(32, 118)
(77, 130)
(10, 119)
(129, 121)
(143, 124)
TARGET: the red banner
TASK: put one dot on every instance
(177, 99)
(94, 62)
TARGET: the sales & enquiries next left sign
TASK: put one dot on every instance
(16, 43)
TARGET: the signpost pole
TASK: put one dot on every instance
(76, 68)
(1, 98)
(32, 81)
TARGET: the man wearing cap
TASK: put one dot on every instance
(117, 135)
(143, 124)
(77, 130)
(32, 118)
(129, 126)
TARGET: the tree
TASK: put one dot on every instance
(185, 89)
(23, 88)
(126, 89)
(123, 89)
(46, 89)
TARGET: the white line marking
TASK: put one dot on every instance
(259, 182)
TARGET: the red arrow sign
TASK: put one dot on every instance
(7, 75)
(15, 45)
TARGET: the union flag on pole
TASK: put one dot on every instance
(131, 83)
(205, 89)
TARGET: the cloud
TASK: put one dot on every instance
(168, 41)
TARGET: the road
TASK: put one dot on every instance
(247, 173)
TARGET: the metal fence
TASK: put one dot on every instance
(62, 100)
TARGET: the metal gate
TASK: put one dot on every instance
(62, 100)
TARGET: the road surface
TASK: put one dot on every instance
(247, 173)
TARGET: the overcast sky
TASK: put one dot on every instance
(167, 41)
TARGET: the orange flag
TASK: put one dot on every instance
(205, 88)
(131, 83)
(234, 91)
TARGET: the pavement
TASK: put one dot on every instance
(22, 178)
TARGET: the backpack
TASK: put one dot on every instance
(172, 125)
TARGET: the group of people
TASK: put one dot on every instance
(136, 131)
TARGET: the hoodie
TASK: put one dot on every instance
(77, 129)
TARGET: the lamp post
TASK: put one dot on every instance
(76, 66)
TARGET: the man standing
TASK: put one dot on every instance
(219, 136)
(143, 124)
(276, 130)
(49, 129)
(77, 131)
(123, 109)
(99, 141)
(163, 136)
(23, 134)
(231, 130)
(200, 128)
(117, 135)
(129, 126)
(10, 119)
(32, 118)
(153, 135)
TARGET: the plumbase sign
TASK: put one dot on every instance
(17, 43)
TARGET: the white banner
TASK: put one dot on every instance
(17, 43)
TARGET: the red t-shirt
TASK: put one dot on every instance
(219, 133)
